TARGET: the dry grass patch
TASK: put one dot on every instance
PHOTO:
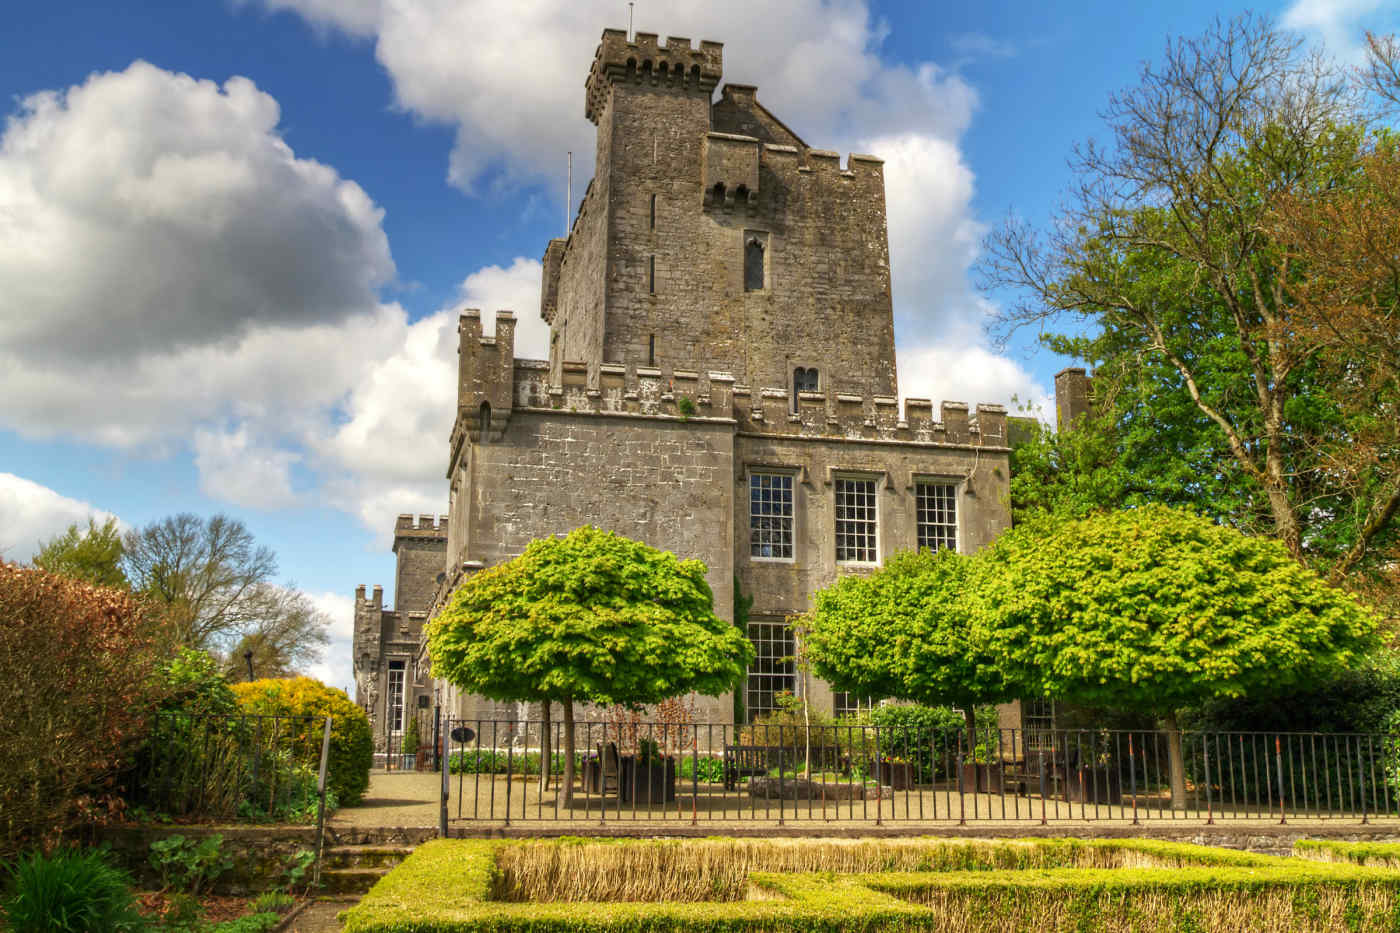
(719, 869)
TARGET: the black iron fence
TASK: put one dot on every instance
(245, 768)
(414, 747)
(515, 771)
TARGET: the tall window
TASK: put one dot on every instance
(855, 520)
(936, 508)
(773, 670)
(651, 274)
(770, 516)
(753, 265)
(804, 380)
(394, 709)
(653, 212)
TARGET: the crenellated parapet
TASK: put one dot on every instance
(646, 59)
(424, 526)
(734, 166)
(695, 394)
(485, 367)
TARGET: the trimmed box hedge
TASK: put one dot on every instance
(1374, 854)
(447, 886)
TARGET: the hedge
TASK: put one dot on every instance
(352, 745)
(455, 885)
(1375, 854)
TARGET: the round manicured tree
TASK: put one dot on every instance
(592, 617)
(906, 631)
(1155, 609)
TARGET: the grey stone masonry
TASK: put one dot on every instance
(721, 331)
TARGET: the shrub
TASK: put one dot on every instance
(932, 736)
(70, 891)
(74, 700)
(187, 865)
(352, 746)
(711, 769)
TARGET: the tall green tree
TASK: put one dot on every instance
(1154, 610)
(589, 617)
(94, 555)
(909, 631)
(1169, 262)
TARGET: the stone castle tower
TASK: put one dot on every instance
(721, 376)
(390, 682)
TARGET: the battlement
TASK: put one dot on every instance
(695, 394)
(733, 165)
(646, 59)
(424, 526)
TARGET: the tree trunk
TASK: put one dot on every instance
(568, 704)
(971, 714)
(1176, 764)
(546, 751)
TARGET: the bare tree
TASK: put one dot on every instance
(288, 636)
(215, 583)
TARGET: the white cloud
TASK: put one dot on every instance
(972, 374)
(335, 667)
(1340, 24)
(144, 211)
(31, 514)
(236, 469)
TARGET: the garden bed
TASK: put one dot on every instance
(730, 884)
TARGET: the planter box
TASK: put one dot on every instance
(981, 779)
(896, 775)
(647, 783)
(424, 760)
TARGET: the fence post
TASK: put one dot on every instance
(1278, 756)
(444, 736)
(321, 800)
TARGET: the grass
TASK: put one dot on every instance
(870, 885)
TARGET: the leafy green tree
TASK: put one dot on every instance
(591, 617)
(94, 556)
(1155, 610)
(1180, 282)
(908, 631)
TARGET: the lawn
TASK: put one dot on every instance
(869, 885)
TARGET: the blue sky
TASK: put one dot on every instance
(234, 235)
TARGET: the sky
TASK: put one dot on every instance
(235, 234)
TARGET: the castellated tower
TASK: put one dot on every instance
(713, 238)
(721, 377)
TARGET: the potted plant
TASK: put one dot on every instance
(895, 773)
(980, 773)
(410, 744)
(648, 776)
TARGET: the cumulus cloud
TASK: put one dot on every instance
(146, 211)
(1340, 24)
(335, 669)
(31, 514)
(959, 372)
(237, 469)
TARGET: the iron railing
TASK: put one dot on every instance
(400, 754)
(246, 768)
(697, 773)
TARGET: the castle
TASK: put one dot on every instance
(720, 383)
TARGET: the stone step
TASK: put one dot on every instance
(364, 856)
(340, 881)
